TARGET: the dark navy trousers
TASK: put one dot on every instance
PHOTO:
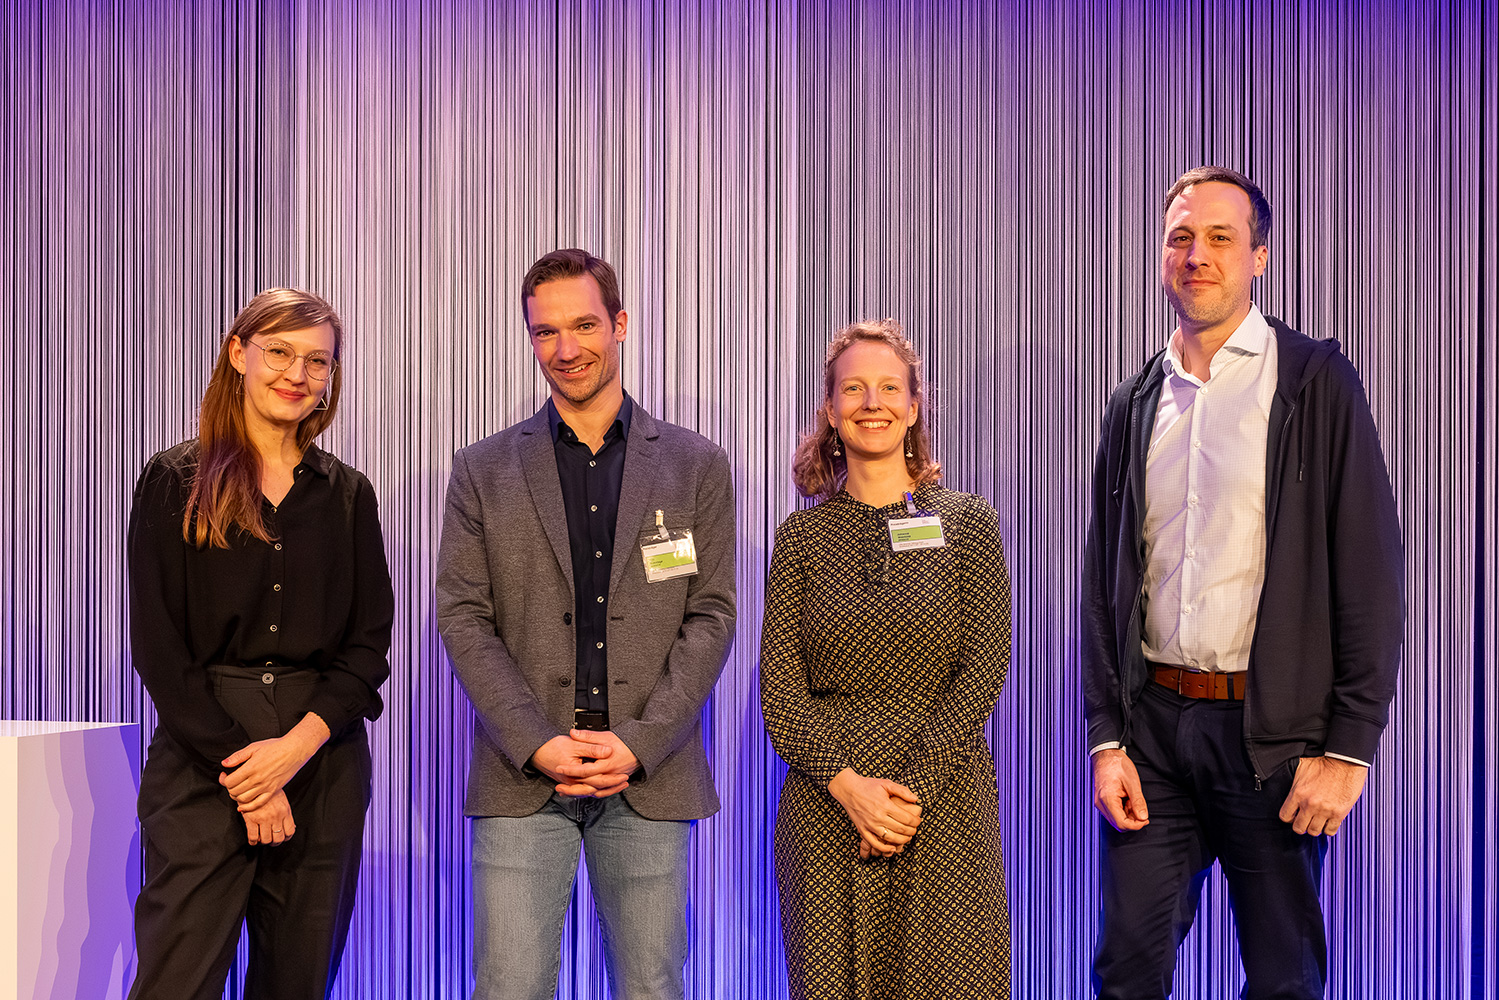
(1204, 806)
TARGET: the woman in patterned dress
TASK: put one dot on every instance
(878, 669)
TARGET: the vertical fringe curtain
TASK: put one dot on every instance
(762, 173)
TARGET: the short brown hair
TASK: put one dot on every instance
(817, 472)
(570, 263)
(1259, 206)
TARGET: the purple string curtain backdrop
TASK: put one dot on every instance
(762, 173)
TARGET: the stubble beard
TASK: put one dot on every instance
(579, 393)
(1201, 310)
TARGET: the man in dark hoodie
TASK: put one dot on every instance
(1242, 613)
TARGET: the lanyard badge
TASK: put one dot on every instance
(919, 530)
(669, 554)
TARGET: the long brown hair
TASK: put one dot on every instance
(226, 485)
(817, 472)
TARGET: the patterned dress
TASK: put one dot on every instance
(889, 663)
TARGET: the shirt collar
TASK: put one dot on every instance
(1248, 339)
(316, 459)
(621, 420)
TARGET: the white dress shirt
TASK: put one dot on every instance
(1205, 503)
(1205, 506)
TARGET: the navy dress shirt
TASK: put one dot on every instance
(590, 495)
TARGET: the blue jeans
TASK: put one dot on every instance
(524, 869)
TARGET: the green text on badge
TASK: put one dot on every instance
(908, 533)
(677, 555)
(669, 559)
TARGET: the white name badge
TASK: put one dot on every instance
(908, 533)
(669, 557)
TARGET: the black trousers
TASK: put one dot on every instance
(203, 880)
(1203, 804)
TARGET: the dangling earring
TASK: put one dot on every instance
(836, 442)
(908, 443)
(322, 402)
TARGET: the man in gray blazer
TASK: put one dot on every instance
(585, 594)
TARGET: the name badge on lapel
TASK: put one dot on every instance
(918, 531)
(670, 555)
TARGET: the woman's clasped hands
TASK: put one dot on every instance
(257, 774)
(886, 813)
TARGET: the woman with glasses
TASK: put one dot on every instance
(885, 642)
(260, 616)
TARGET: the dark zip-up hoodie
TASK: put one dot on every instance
(1326, 646)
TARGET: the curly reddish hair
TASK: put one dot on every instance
(817, 472)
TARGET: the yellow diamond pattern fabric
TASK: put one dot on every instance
(889, 663)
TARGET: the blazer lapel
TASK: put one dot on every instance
(539, 461)
(634, 492)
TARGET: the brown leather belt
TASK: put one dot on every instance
(1201, 684)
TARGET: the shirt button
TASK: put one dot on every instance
(278, 546)
(601, 600)
(267, 678)
(600, 645)
(269, 663)
(276, 587)
(595, 690)
(593, 506)
(1192, 500)
(1197, 444)
(597, 554)
(591, 465)
(273, 628)
(1186, 609)
(1191, 553)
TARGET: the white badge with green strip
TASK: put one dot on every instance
(919, 531)
(670, 554)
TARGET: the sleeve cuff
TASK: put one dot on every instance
(632, 734)
(1351, 760)
(334, 715)
(1357, 738)
(1110, 745)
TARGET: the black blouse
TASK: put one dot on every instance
(319, 597)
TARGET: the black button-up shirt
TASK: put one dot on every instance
(317, 597)
(590, 495)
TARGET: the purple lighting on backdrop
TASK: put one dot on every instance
(761, 173)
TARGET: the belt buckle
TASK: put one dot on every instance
(595, 722)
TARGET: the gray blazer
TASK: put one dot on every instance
(505, 605)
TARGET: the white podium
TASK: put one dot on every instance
(69, 859)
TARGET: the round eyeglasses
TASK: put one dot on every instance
(318, 365)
